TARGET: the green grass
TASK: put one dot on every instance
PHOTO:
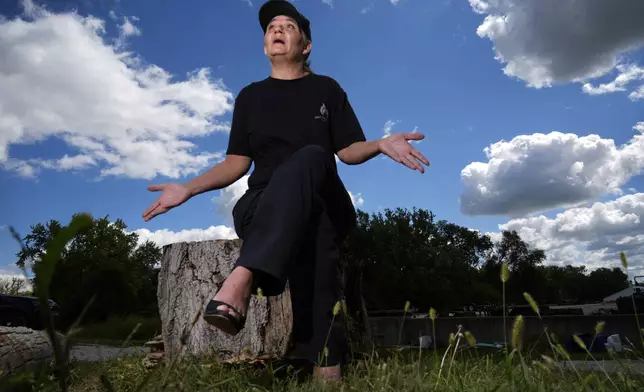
(387, 370)
(396, 372)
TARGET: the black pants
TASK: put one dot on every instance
(291, 231)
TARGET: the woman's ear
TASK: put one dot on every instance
(307, 48)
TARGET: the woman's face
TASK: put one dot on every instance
(284, 39)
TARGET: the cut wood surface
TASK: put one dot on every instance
(23, 350)
(190, 275)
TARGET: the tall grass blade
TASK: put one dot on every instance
(516, 333)
(581, 344)
(43, 271)
(533, 303)
(505, 275)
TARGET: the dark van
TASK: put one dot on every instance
(24, 311)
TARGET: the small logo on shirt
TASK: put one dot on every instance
(324, 114)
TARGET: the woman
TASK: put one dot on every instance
(296, 210)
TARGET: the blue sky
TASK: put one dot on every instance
(562, 113)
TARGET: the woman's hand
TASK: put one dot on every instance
(398, 148)
(172, 196)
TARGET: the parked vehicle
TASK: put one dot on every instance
(625, 304)
(24, 311)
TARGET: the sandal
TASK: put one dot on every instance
(223, 320)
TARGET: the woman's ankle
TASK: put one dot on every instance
(328, 373)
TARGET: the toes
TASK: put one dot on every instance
(223, 308)
(227, 309)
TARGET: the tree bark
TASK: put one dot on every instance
(24, 350)
(190, 275)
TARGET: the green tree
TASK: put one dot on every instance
(13, 285)
(603, 282)
(565, 284)
(523, 263)
(102, 262)
(409, 256)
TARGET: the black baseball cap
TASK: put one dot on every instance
(273, 8)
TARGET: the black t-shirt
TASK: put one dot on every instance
(274, 118)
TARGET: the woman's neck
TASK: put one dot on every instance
(287, 71)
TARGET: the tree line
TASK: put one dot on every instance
(102, 272)
(411, 256)
(403, 255)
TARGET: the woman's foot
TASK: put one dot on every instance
(328, 373)
(236, 293)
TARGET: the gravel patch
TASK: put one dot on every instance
(92, 353)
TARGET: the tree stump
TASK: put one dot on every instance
(190, 275)
(24, 350)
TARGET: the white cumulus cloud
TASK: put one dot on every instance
(627, 74)
(539, 172)
(387, 129)
(126, 29)
(356, 199)
(592, 235)
(229, 196)
(544, 42)
(64, 78)
(165, 237)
